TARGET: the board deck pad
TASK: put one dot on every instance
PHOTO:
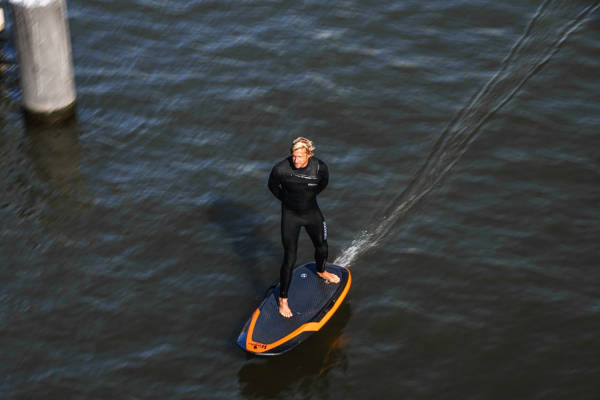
(312, 300)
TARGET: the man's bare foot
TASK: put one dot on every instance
(329, 277)
(284, 308)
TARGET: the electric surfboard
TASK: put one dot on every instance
(312, 300)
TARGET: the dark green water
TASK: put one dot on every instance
(462, 140)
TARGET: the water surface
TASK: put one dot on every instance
(136, 240)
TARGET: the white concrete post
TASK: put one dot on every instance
(1, 17)
(44, 54)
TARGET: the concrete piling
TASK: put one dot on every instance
(44, 54)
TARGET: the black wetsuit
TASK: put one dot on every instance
(297, 188)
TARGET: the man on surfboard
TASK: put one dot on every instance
(296, 181)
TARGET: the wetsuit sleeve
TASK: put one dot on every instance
(323, 176)
(275, 184)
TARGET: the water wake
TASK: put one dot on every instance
(551, 25)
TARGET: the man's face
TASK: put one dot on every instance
(300, 158)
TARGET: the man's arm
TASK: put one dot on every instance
(275, 185)
(323, 175)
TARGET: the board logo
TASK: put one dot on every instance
(258, 345)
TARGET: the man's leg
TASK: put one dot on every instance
(317, 230)
(290, 229)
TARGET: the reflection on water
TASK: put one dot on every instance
(56, 154)
(297, 371)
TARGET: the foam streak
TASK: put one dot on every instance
(541, 40)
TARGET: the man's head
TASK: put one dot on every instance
(302, 150)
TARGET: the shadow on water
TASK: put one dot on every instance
(304, 370)
(246, 233)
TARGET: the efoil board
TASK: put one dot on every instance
(313, 302)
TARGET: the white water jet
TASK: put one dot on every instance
(535, 48)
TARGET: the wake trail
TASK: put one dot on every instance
(543, 37)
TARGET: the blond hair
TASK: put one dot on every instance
(303, 143)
